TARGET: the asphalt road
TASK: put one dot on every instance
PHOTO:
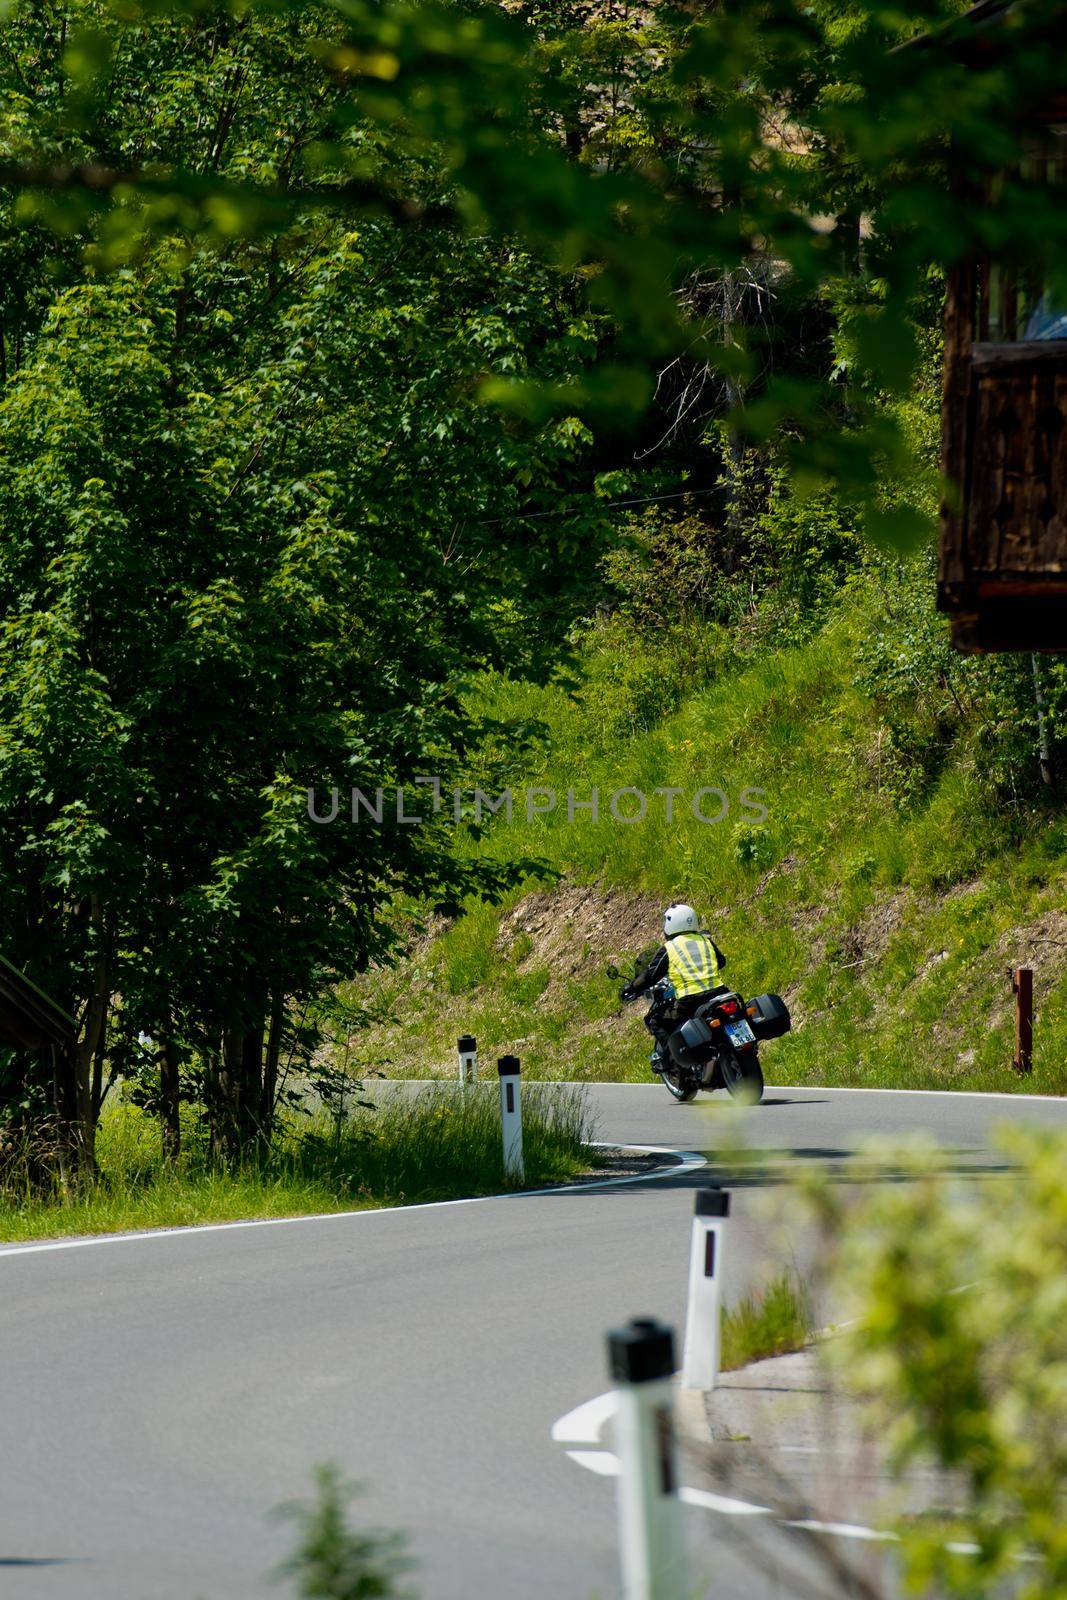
(161, 1393)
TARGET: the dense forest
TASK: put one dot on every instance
(476, 391)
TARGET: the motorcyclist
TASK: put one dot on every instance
(692, 962)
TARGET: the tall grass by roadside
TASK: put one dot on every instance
(408, 1149)
(773, 1321)
(430, 1144)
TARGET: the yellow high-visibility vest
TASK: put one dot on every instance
(692, 964)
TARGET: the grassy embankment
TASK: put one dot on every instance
(434, 1148)
(886, 896)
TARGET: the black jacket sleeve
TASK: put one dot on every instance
(656, 969)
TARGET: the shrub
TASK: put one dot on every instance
(753, 846)
(334, 1562)
(961, 1344)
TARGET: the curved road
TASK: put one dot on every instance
(161, 1393)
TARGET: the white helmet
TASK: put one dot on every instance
(679, 919)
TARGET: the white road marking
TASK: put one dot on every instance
(845, 1530)
(586, 1421)
(583, 1425)
(687, 1161)
(600, 1461)
(722, 1503)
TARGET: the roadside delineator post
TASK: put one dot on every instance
(467, 1048)
(511, 1116)
(1022, 983)
(651, 1550)
(703, 1321)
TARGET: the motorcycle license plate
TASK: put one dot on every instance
(740, 1033)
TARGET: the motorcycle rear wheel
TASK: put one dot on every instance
(742, 1076)
(677, 1087)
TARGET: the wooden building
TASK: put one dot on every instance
(1002, 568)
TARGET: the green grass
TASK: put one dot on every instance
(886, 900)
(773, 1321)
(409, 1151)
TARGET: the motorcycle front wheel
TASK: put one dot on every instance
(678, 1087)
(743, 1076)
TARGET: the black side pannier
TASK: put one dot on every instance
(769, 1016)
(689, 1043)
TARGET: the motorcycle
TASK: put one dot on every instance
(718, 1046)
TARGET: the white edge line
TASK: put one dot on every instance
(688, 1161)
(784, 1088)
(949, 1094)
(583, 1425)
(1022, 1098)
(722, 1503)
(846, 1530)
(606, 1465)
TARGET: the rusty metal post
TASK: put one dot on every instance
(1022, 984)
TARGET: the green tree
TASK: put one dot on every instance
(256, 532)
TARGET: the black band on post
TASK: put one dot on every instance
(712, 1203)
(466, 1044)
(508, 1066)
(641, 1352)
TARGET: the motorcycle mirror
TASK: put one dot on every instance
(612, 972)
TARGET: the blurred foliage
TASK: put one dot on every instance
(649, 149)
(334, 1561)
(961, 1345)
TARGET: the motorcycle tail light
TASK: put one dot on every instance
(728, 1007)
